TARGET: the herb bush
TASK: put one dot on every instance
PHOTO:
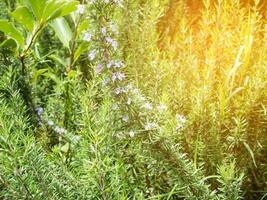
(133, 99)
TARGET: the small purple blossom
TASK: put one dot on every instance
(87, 37)
(118, 64)
(39, 111)
(98, 69)
(60, 130)
(117, 91)
(112, 42)
(129, 101)
(148, 106)
(118, 75)
(92, 55)
(80, 9)
(125, 118)
(104, 30)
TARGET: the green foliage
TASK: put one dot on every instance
(23, 16)
(133, 99)
(10, 30)
(62, 31)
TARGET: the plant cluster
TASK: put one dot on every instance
(120, 99)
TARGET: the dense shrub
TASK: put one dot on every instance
(132, 99)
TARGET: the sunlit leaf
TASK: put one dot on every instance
(63, 31)
(24, 17)
(63, 9)
(10, 30)
(65, 148)
(82, 27)
(37, 7)
(83, 47)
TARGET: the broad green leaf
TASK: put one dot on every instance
(68, 8)
(10, 30)
(59, 8)
(62, 30)
(37, 7)
(9, 43)
(83, 47)
(24, 17)
(83, 26)
(52, 8)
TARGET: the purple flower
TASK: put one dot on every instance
(80, 8)
(125, 118)
(60, 130)
(113, 77)
(87, 37)
(118, 75)
(129, 101)
(112, 42)
(92, 55)
(98, 69)
(117, 90)
(118, 64)
(148, 106)
(39, 111)
(104, 30)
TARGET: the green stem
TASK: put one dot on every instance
(68, 101)
(24, 83)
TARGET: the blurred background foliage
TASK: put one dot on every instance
(203, 62)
